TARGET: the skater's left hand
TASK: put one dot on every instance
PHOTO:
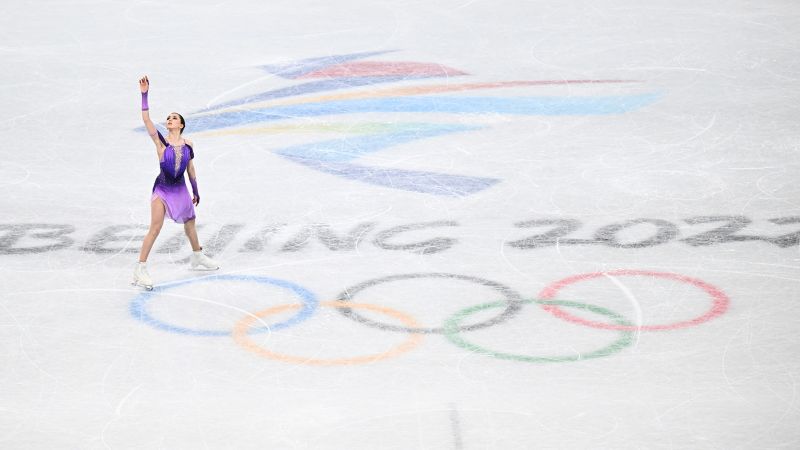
(196, 200)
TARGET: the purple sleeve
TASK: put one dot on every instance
(193, 182)
(145, 106)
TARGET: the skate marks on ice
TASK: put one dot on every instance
(505, 330)
(139, 305)
(695, 231)
(452, 426)
(440, 429)
(350, 72)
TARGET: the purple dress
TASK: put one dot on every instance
(170, 185)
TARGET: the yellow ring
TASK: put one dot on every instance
(242, 338)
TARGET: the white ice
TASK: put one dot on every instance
(716, 148)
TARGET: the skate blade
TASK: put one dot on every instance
(145, 286)
(203, 269)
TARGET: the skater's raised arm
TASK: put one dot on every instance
(144, 87)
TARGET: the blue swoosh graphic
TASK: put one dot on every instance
(332, 156)
(350, 148)
(427, 104)
(312, 87)
(335, 156)
(407, 180)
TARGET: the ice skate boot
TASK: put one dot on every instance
(199, 261)
(141, 277)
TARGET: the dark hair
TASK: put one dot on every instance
(183, 122)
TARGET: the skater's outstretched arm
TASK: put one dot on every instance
(144, 87)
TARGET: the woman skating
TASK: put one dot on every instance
(170, 196)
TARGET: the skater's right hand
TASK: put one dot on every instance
(144, 84)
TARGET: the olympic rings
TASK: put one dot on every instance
(513, 302)
(452, 329)
(241, 337)
(718, 306)
(138, 307)
(625, 339)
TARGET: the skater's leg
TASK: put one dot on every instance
(198, 260)
(191, 232)
(157, 213)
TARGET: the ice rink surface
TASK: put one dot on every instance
(441, 225)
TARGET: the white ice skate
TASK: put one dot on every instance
(141, 277)
(199, 261)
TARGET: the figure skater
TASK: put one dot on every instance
(170, 195)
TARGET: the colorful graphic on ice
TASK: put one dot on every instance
(329, 76)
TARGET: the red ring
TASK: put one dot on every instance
(718, 307)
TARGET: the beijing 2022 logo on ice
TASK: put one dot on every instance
(349, 84)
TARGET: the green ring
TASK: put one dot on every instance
(452, 325)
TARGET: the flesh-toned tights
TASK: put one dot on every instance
(157, 213)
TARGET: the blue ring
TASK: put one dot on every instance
(138, 306)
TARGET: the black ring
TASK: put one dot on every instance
(513, 300)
